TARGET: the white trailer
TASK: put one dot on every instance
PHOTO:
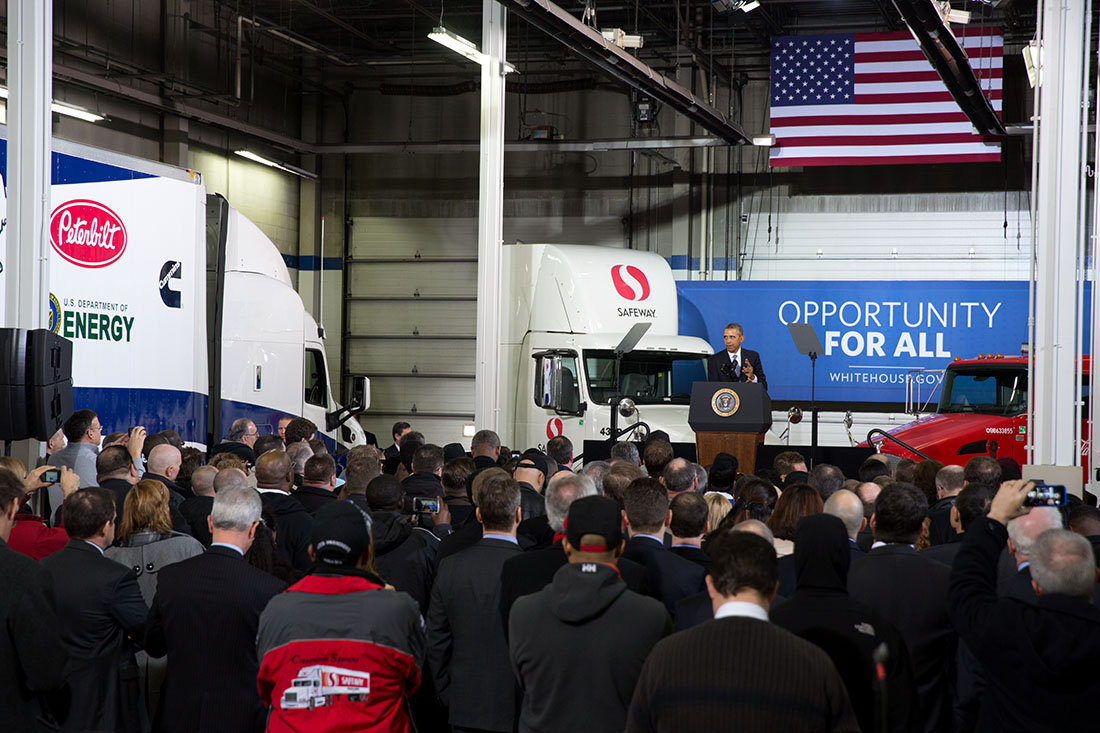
(181, 311)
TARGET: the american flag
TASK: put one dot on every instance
(873, 99)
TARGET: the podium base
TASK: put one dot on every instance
(740, 445)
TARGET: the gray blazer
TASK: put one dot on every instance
(147, 552)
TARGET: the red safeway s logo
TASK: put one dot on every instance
(554, 428)
(87, 233)
(630, 282)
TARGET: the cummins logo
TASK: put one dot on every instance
(630, 282)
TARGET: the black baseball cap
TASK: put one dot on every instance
(594, 515)
(341, 533)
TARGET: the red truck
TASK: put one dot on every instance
(982, 411)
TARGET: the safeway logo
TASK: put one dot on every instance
(87, 233)
(630, 282)
(554, 428)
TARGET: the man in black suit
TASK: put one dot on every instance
(647, 517)
(239, 441)
(100, 610)
(688, 525)
(115, 470)
(32, 655)
(739, 671)
(293, 524)
(319, 485)
(205, 616)
(911, 592)
(400, 429)
(427, 467)
(467, 651)
(735, 364)
(1040, 660)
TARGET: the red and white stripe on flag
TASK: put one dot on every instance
(874, 99)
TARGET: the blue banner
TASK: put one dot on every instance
(872, 333)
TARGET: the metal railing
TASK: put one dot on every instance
(900, 442)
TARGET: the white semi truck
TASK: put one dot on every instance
(316, 686)
(181, 311)
(568, 355)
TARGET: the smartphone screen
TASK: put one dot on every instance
(1046, 495)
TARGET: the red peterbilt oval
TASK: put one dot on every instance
(87, 233)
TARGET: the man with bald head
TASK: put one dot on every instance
(164, 465)
(293, 524)
(230, 478)
(197, 508)
(848, 508)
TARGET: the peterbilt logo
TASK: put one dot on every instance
(87, 233)
(630, 282)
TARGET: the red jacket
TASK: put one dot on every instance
(339, 653)
(31, 536)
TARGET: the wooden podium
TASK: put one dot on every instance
(729, 417)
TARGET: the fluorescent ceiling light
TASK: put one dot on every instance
(68, 110)
(272, 164)
(724, 6)
(460, 45)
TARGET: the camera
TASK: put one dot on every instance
(52, 476)
(421, 505)
(1046, 495)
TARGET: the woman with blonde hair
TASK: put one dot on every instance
(145, 542)
(719, 505)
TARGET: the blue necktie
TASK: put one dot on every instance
(736, 367)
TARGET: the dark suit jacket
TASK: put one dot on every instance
(293, 527)
(99, 606)
(196, 510)
(739, 674)
(911, 592)
(692, 553)
(467, 651)
(944, 553)
(205, 616)
(673, 577)
(717, 362)
(34, 657)
(237, 448)
(940, 531)
(312, 498)
(1040, 661)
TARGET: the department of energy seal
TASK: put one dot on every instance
(55, 314)
(725, 402)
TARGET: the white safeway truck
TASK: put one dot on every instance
(567, 360)
(316, 686)
(181, 311)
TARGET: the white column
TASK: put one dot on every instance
(26, 276)
(490, 229)
(1059, 235)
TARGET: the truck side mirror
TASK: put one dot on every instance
(360, 394)
(555, 387)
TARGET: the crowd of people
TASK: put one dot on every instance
(272, 585)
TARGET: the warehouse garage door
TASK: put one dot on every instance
(411, 292)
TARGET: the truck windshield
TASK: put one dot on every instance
(998, 391)
(647, 377)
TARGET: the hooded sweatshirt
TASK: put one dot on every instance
(578, 646)
(404, 557)
(822, 612)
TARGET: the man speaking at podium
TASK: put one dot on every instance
(736, 364)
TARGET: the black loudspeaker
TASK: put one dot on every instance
(36, 385)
